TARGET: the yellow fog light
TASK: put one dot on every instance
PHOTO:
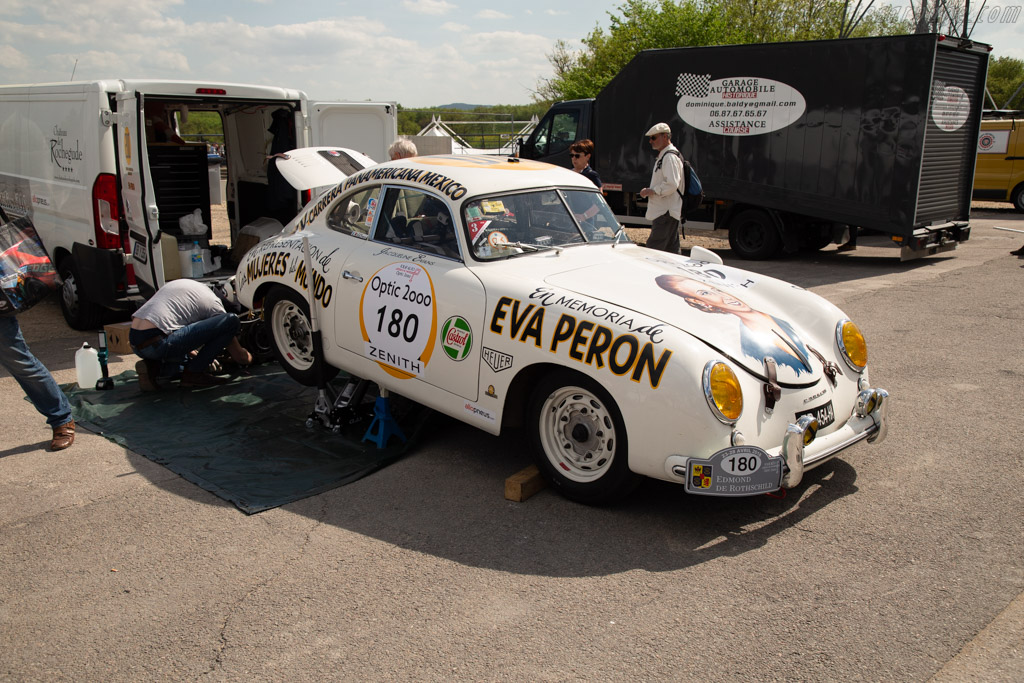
(722, 391)
(810, 432)
(852, 345)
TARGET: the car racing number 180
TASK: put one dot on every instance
(398, 319)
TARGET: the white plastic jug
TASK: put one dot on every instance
(87, 366)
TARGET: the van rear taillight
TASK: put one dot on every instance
(105, 213)
(306, 196)
(211, 91)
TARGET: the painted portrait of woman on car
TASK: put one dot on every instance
(761, 335)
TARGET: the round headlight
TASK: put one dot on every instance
(852, 345)
(722, 391)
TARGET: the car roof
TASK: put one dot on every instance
(458, 176)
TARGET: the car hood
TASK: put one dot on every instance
(307, 168)
(738, 313)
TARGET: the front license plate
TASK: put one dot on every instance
(825, 415)
(736, 471)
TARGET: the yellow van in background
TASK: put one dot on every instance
(999, 173)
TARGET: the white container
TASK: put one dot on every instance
(185, 259)
(87, 367)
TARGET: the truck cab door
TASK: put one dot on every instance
(367, 127)
(561, 126)
(137, 196)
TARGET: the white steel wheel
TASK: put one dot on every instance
(580, 439)
(291, 334)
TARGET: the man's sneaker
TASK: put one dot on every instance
(148, 371)
(201, 379)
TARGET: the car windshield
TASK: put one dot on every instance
(511, 224)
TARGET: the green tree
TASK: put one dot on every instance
(1005, 76)
(645, 24)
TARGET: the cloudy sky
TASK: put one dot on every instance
(415, 52)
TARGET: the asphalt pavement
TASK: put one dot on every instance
(900, 561)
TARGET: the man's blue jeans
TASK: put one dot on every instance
(212, 335)
(35, 380)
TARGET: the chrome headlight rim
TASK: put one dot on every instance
(842, 346)
(709, 396)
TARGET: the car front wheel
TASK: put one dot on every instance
(580, 439)
(291, 334)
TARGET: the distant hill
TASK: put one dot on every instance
(461, 106)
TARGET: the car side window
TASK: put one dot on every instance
(354, 215)
(417, 220)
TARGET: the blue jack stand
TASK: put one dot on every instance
(384, 425)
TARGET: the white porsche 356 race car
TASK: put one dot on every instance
(503, 293)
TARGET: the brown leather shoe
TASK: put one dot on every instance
(196, 380)
(63, 436)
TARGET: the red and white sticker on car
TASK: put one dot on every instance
(398, 319)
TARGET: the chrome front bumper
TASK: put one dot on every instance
(873, 403)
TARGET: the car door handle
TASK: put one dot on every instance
(349, 275)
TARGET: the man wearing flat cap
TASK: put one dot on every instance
(664, 203)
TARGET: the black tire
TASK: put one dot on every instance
(579, 439)
(79, 314)
(286, 314)
(754, 236)
(1018, 197)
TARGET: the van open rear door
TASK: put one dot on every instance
(139, 200)
(367, 127)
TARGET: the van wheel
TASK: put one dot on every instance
(1018, 197)
(291, 335)
(753, 235)
(580, 439)
(79, 314)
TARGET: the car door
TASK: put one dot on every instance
(367, 127)
(413, 307)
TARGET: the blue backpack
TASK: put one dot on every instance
(692, 192)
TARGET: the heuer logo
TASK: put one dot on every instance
(456, 337)
(497, 360)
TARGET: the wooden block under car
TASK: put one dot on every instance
(117, 338)
(523, 484)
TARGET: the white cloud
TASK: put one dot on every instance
(452, 26)
(436, 7)
(491, 14)
(555, 12)
(12, 58)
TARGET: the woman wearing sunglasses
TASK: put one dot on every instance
(579, 153)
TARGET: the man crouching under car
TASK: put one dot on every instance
(184, 324)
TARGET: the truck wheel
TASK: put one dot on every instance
(1018, 197)
(753, 235)
(79, 314)
(579, 439)
(291, 335)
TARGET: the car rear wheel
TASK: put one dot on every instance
(580, 439)
(79, 314)
(291, 335)
(753, 235)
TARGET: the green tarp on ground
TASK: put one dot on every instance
(247, 441)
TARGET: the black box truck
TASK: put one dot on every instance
(795, 143)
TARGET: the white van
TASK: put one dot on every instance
(102, 172)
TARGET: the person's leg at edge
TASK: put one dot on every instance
(37, 382)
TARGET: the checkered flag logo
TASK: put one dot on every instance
(693, 85)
